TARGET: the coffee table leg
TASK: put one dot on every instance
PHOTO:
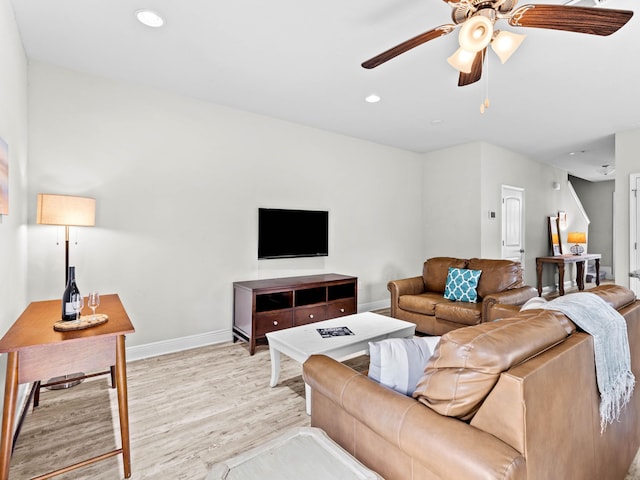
(275, 366)
(307, 398)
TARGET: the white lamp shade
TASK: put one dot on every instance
(506, 43)
(462, 60)
(475, 33)
(66, 210)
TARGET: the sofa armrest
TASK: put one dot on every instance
(445, 446)
(405, 286)
(514, 296)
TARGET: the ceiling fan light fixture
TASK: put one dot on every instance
(505, 43)
(462, 60)
(475, 33)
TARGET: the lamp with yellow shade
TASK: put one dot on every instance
(576, 238)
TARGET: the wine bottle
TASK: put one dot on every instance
(70, 292)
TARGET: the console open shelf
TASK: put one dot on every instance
(262, 306)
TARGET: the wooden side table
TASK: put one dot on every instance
(35, 351)
(560, 261)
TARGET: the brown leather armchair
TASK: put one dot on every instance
(421, 299)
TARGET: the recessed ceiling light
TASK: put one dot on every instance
(149, 18)
(373, 98)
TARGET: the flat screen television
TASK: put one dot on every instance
(292, 233)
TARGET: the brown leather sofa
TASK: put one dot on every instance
(421, 299)
(521, 404)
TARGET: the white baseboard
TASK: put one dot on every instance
(367, 307)
(177, 344)
(149, 350)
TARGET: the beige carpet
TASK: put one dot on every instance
(188, 410)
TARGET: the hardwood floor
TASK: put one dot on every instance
(188, 410)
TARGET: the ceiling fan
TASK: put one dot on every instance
(476, 19)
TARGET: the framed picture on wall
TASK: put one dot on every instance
(4, 178)
(562, 220)
(554, 236)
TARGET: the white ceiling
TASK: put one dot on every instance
(300, 61)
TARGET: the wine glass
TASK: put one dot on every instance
(77, 303)
(93, 300)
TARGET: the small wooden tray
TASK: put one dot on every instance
(81, 323)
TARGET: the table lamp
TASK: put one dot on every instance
(66, 211)
(577, 238)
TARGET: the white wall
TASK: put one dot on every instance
(178, 183)
(13, 130)
(597, 199)
(504, 167)
(451, 202)
(627, 162)
(463, 183)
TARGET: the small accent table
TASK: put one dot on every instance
(305, 452)
(301, 342)
(35, 350)
(561, 261)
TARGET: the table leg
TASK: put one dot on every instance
(10, 399)
(580, 275)
(275, 366)
(123, 404)
(307, 398)
(597, 271)
(561, 278)
(539, 275)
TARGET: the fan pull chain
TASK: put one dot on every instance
(485, 104)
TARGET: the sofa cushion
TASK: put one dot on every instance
(468, 361)
(435, 271)
(459, 312)
(461, 285)
(615, 295)
(497, 275)
(398, 363)
(424, 303)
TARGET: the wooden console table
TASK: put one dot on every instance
(262, 306)
(561, 261)
(36, 351)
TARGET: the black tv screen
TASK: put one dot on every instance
(292, 233)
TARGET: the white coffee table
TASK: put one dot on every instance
(301, 453)
(301, 342)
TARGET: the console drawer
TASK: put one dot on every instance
(271, 321)
(340, 308)
(306, 315)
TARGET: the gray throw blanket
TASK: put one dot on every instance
(611, 347)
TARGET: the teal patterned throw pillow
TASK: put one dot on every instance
(461, 285)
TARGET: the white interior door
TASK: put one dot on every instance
(513, 223)
(634, 232)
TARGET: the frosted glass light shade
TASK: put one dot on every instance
(462, 60)
(505, 44)
(475, 33)
(65, 210)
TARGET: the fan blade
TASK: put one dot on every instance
(408, 45)
(476, 70)
(595, 21)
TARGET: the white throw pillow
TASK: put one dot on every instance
(398, 363)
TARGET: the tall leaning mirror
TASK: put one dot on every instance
(554, 236)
